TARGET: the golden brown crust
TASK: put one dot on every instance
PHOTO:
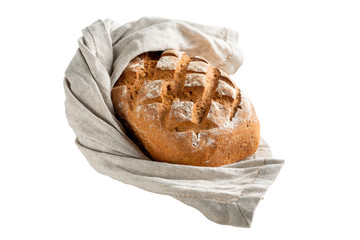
(183, 110)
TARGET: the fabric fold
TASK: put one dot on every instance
(226, 195)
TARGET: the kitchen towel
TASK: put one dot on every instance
(226, 195)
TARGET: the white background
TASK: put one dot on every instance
(301, 71)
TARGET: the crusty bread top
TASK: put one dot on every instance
(180, 94)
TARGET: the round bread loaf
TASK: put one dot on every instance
(183, 110)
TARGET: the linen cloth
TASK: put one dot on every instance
(226, 195)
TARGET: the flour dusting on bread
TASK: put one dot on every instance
(184, 110)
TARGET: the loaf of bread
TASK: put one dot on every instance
(183, 110)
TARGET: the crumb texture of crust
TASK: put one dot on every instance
(169, 91)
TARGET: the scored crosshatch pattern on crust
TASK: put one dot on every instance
(203, 98)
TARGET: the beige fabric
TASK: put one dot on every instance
(226, 195)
